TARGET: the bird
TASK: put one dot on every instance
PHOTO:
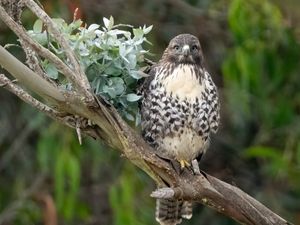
(179, 110)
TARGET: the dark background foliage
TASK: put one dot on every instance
(252, 51)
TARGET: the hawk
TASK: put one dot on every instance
(179, 110)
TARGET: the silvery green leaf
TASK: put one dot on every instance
(136, 74)
(76, 24)
(133, 97)
(122, 51)
(59, 22)
(41, 38)
(106, 22)
(123, 101)
(110, 90)
(93, 27)
(139, 41)
(132, 61)
(138, 32)
(38, 26)
(51, 71)
(111, 23)
(107, 57)
(119, 32)
(99, 33)
(114, 71)
(129, 49)
(147, 29)
(129, 116)
(117, 80)
(98, 43)
(118, 84)
(84, 52)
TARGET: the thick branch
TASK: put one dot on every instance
(28, 77)
(222, 197)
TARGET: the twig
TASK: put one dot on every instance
(78, 131)
(9, 85)
(18, 91)
(81, 79)
(40, 50)
(63, 118)
(28, 77)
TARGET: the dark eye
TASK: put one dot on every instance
(194, 47)
(176, 47)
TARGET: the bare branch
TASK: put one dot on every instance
(40, 50)
(28, 77)
(81, 79)
(18, 91)
(78, 131)
(9, 85)
(222, 197)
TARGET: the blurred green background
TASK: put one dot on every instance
(252, 50)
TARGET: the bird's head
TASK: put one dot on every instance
(184, 49)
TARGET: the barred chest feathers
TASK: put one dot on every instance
(180, 125)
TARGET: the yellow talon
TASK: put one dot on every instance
(184, 163)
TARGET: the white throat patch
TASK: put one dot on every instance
(183, 83)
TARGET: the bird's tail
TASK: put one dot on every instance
(171, 211)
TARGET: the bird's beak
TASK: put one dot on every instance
(186, 50)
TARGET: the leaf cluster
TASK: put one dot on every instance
(111, 55)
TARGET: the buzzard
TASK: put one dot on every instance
(180, 109)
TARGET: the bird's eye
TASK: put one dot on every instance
(194, 47)
(176, 47)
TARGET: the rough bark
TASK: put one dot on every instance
(77, 108)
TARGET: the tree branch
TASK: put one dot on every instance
(79, 78)
(110, 128)
(222, 197)
(12, 87)
(40, 50)
(26, 76)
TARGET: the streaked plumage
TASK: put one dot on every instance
(179, 110)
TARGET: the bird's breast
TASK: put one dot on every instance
(183, 82)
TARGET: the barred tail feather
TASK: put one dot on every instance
(187, 210)
(171, 211)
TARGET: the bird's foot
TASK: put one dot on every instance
(180, 164)
(184, 163)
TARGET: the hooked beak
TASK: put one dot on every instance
(186, 50)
